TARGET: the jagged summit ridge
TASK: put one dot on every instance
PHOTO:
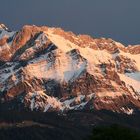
(48, 69)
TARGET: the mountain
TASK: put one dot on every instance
(51, 70)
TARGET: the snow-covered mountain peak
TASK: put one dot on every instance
(49, 69)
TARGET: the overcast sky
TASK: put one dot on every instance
(117, 19)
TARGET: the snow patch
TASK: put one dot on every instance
(40, 100)
(134, 75)
(131, 81)
(128, 111)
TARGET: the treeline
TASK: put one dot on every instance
(73, 126)
(114, 132)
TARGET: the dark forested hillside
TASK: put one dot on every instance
(75, 125)
(114, 132)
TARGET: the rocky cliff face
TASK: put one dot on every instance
(48, 69)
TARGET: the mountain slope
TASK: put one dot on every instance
(48, 69)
